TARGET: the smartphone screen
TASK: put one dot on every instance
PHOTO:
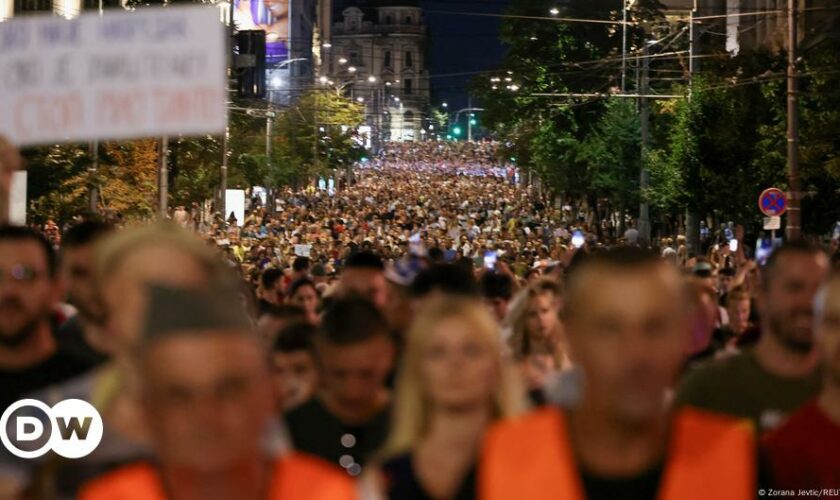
(578, 239)
(733, 245)
(490, 260)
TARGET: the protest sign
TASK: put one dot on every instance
(150, 72)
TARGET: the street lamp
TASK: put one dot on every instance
(351, 69)
(372, 79)
(445, 105)
(555, 11)
(343, 60)
(323, 80)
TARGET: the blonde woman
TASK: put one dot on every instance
(536, 334)
(453, 384)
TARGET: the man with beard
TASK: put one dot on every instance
(83, 335)
(802, 453)
(777, 377)
(29, 291)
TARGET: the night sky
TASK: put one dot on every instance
(461, 44)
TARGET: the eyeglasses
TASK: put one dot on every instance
(19, 274)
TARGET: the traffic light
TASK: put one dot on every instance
(456, 131)
(473, 122)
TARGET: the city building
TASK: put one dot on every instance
(746, 25)
(289, 78)
(377, 54)
(64, 8)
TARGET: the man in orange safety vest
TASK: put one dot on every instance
(626, 321)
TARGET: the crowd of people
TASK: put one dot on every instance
(423, 333)
(456, 153)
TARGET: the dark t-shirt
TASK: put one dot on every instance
(14, 384)
(644, 486)
(401, 482)
(71, 340)
(741, 387)
(317, 431)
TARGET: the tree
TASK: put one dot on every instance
(318, 133)
(59, 180)
(552, 135)
(611, 153)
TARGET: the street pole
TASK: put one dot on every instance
(692, 222)
(224, 180)
(93, 191)
(624, 47)
(268, 123)
(691, 48)
(163, 191)
(644, 175)
(269, 120)
(93, 201)
(793, 228)
(469, 120)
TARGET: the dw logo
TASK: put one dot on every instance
(30, 428)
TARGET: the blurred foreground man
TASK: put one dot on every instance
(626, 324)
(208, 402)
(771, 381)
(802, 454)
(30, 358)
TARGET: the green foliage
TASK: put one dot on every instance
(713, 153)
(611, 153)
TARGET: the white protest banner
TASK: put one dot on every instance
(17, 199)
(303, 250)
(147, 73)
(235, 204)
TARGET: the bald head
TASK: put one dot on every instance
(626, 321)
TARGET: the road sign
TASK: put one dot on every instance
(772, 223)
(772, 202)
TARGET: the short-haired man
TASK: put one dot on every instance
(30, 358)
(84, 334)
(781, 373)
(497, 291)
(208, 404)
(294, 369)
(625, 318)
(443, 279)
(273, 319)
(348, 419)
(802, 454)
(270, 289)
(364, 276)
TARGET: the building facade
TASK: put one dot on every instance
(747, 25)
(377, 54)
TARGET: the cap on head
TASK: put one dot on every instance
(176, 310)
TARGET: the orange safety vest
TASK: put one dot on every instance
(295, 477)
(710, 456)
